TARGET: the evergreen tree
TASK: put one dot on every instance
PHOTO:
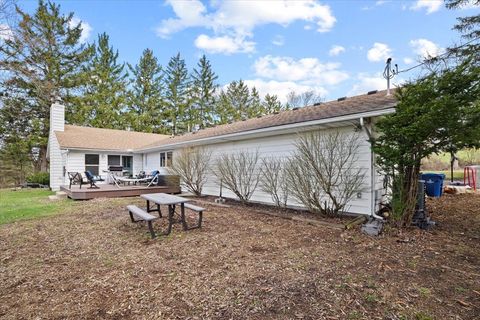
(271, 104)
(223, 109)
(238, 96)
(177, 93)
(145, 101)
(255, 106)
(104, 97)
(42, 60)
(204, 88)
(469, 27)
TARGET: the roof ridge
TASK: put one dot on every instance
(118, 130)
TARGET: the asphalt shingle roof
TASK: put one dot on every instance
(105, 139)
(353, 105)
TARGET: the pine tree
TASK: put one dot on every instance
(104, 98)
(238, 96)
(204, 88)
(271, 104)
(177, 93)
(145, 101)
(469, 27)
(42, 61)
(223, 109)
(255, 106)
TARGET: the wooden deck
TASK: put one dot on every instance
(112, 191)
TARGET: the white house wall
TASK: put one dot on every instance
(76, 162)
(281, 146)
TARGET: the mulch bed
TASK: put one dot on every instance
(93, 263)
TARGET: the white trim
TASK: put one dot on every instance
(273, 130)
(122, 152)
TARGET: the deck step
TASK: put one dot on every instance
(53, 198)
(61, 195)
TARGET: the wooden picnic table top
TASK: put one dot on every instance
(164, 198)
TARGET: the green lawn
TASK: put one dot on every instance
(457, 174)
(28, 204)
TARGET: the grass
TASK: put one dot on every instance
(28, 204)
(457, 174)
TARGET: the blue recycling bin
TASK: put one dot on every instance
(433, 184)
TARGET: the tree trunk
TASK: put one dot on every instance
(41, 165)
(411, 175)
(452, 163)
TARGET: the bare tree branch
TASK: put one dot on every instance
(238, 172)
(323, 173)
(274, 180)
(191, 164)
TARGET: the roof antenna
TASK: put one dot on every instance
(389, 73)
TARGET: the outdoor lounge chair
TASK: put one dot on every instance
(151, 179)
(92, 179)
(75, 178)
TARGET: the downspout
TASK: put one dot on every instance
(372, 171)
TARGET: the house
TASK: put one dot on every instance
(77, 149)
(272, 135)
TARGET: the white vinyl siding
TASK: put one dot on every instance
(280, 146)
(76, 162)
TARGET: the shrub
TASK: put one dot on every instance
(322, 173)
(274, 180)
(191, 164)
(238, 173)
(40, 178)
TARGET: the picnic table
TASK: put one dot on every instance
(171, 201)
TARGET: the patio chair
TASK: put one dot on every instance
(75, 178)
(92, 179)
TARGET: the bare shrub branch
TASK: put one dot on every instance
(323, 173)
(238, 173)
(274, 180)
(191, 164)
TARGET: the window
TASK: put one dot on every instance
(127, 163)
(166, 159)
(91, 163)
(124, 161)
(113, 160)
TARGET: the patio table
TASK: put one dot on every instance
(171, 201)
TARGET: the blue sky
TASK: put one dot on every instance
(337, 48)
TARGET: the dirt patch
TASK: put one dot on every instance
(93, 263)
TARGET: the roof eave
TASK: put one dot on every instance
(254, 132)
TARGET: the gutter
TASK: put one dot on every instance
(128, 151)
(271, 129)
(372, 171)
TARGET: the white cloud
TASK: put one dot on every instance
(282, 88)
(367, 82)
(425, 48)
(278, 40)
(188, 13)
(377, 4)
(240, 18)
(472, 4)
(224, 44)
(306, 70)
(86, 28)
(336, 50)
(430, 5)
(379, 52)
(408, 60)
(5, 32)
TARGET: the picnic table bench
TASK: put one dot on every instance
(172, 202)
(141, 216)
